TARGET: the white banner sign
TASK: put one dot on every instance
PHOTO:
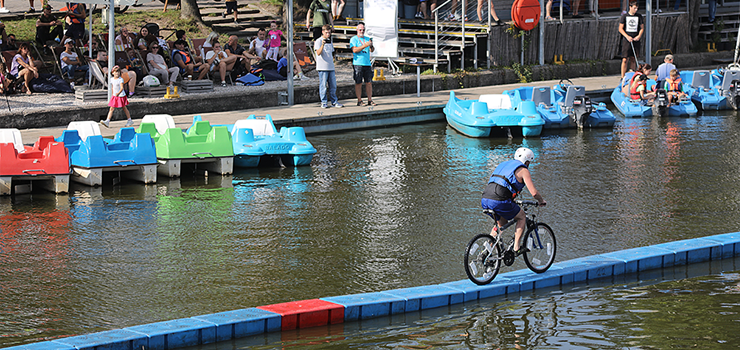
(381, 23)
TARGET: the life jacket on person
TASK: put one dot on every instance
(503, 183)
(185, 56)
(75, 8)
(673, 85)
(634, 77)
(634, 94)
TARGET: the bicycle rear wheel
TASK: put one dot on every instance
(482, 259)
(542, 247)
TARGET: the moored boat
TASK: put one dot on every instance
(208, 147)
(493, 113)
(256, 141)
(129, 153)
(699, 86)
(45, 163)
(639, 108)
(727, 83)
(564, 106)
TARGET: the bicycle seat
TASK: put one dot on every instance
(491, 213)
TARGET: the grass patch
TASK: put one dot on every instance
(272, 2)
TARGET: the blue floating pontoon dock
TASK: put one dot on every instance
(332, 310)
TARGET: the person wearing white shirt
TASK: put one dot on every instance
(70, 62)
(219, 59)
(325, 66)
(257, 46)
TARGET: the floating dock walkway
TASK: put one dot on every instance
(235, 324)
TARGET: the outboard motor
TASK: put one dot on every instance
(582, 109)
(733, 94)
(660, 104)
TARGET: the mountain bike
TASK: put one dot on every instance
(485, 253)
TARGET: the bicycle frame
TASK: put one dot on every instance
(486, 252)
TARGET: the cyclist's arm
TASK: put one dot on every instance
(524, 176)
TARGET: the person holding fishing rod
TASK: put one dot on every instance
(631, 28)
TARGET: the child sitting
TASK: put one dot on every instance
(673, 88)
(638, 88)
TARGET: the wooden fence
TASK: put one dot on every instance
(586, 39)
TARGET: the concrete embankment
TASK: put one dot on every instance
(630, 264)
(256, 102)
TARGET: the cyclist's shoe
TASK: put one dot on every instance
(521, 251)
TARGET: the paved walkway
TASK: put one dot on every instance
(385, 103)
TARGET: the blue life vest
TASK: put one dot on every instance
(506, 171)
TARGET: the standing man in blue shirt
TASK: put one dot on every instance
(361, 47)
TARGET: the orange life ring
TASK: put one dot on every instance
(526, 13)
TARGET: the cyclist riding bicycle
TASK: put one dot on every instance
(507, 181)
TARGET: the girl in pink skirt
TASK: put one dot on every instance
(118, 98)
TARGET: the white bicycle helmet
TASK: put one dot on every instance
(524, 155)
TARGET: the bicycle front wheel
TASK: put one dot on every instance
(542, 247)
(482, 259)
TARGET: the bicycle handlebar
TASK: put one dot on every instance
(526, 202)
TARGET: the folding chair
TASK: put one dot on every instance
(103, 41)
(56, 52)
(195, 46)
(47, 64)
(8, 58)
(301, 54)
(121, 59)
(141, 54)
(97, 72)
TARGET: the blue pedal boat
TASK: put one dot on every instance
(727, 83)
(256, 140)
(702, 87)
(564, 106)
(493, 113)
(637, 109)
(130, 153)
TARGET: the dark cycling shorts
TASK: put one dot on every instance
(363, 73)
(506, 209)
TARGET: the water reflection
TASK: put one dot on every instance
(35, 252)
(692, 306)
(377, 210)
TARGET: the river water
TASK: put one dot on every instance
(376, 210)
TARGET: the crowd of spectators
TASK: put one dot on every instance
(63, 47)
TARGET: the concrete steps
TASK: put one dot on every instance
(251, 18)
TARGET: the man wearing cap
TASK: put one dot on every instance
(48, 27)
(70, 62)
(188, 65)
(664, 69)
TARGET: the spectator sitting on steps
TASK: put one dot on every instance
(48, 28)
(258, 44)
(218, 59)
(282, 66)
(158, 67)
(188, 64)
(70, 62)
(233, 48)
